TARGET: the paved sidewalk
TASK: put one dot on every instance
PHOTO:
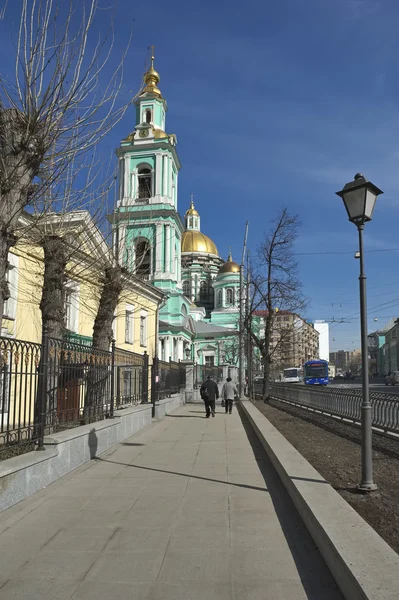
(188, 509)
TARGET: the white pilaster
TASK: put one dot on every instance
(122, 244)
(167, 347)
(121, 193)
(192, 287)
(175, 198)
(180, 349)
(170, 178)
(158, 163)
(167, 248)
(160, 348)
(126, 180)
(173, 259)
(158, 248)
(164, 175)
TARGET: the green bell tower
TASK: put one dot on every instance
(147, 225)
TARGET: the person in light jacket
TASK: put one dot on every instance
(229, 392)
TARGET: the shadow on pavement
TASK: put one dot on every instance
(130, 444)
(185, 416)
(240, 485)
(311, 567)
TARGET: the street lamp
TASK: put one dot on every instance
(359, 197)
(187, 352)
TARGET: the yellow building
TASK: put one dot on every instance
(135, 322)
(71, 361)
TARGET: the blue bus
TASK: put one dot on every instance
(315, 372)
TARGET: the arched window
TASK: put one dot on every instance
(220, 298)
(203, 291)
(145, 183)
(148, 116)
(186, 288)
(229, 296)
(143, 258)
(184, 309)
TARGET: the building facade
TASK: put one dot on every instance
(135, 324)
(199, 316)
(294, 341)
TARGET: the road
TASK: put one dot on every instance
(374, 387)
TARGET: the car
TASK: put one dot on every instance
(392, 379)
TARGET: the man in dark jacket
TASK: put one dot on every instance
(209, 392)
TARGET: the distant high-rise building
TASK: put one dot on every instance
(324, 339)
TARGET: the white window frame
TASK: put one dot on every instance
(129, 324)
(72, 289)
(144, 328)
(10, 305)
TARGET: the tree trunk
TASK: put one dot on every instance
(53, 313)
(266, 380)
(6, 242)
(96, 396)
(111, 290)
(52, 303)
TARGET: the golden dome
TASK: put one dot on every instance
(151, 79)
(229, 266)
(191, 212)
(195, 241)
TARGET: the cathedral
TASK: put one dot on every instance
(199, 317)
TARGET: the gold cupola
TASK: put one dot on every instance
(151, 79)
(229, 266)
(192, 239)
(191, 212)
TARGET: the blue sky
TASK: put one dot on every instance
(279, 104)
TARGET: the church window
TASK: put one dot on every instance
(186, 288)
(145, 183)
(229, 296)
(220, 297)
(148, 116)
(209, 361)
(143, 258)
(203, 291)
(184, 309)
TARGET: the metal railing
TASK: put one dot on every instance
(342, 403)
(19, 376)
(171, 378)
(202, 372)
(131, 377)
(61, 384)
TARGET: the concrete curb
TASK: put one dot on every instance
(362, 564)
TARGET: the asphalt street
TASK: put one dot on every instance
(374, 387)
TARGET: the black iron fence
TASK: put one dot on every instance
(171, 378)
(341, 403)
(202, 372)
(60, 384)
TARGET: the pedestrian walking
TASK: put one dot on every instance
(229, 392)
(209, 392)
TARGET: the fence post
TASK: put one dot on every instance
(111, 408)
(145, 378)
(154, 383)
(42, 385)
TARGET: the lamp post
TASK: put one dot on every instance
(187, 352)
(359, 198)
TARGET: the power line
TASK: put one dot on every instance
(347, 252)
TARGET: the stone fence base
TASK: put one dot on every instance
(24, 475)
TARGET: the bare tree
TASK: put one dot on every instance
(231, 351)
(55, 111)
(275, 286)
